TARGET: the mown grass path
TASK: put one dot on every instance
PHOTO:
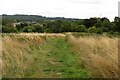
(51, 59)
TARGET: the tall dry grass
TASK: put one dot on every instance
(99, 55)
(14, 51)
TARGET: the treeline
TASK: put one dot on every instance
(22, 17)
(92, 25)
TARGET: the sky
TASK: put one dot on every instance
(61, 8)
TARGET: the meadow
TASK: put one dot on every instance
(60, 55)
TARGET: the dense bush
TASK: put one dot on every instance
(38, 28)
(28, 29)
(92, 29)
(9, 29)
(99, 31)
(82, 28)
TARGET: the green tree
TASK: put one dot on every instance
(53, 26)
(6, 29)
(38, 28)
(92, 29)
(67, 26)
(106, 25)
(5, 21)
(99, 31)
(117, 24)
(86, 23)
(82, 28)
(20, 26)
(28, 29)
(99, 23)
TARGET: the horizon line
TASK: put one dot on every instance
(56, 16)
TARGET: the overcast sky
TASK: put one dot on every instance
(61, 8)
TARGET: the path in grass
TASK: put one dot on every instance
(51, 59)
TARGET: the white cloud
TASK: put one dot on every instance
(61, 8)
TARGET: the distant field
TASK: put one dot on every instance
(41, 55)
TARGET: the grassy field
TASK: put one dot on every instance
(34, 55)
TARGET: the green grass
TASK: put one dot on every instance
(52, 58)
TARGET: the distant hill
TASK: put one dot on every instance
(34, 17)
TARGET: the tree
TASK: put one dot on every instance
(6, 29)
(99, 23)
(38, 28)
(20, 26)
(73, 27)
(112, 26)
(117, 24)
(67, 26)
(104, 18)
(52, 26)
(5, 21)
(86, 23)
(78, 22)
(59, 25)
(99, 31)
(92, 21)
(28, 29)
(92, 29)
(82, 28)
(106, 25)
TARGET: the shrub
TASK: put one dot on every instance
(99, 31)
(82, 28)
(111, 32)
(29, 29)
(92, 29)
(38, 28)
(7, 29)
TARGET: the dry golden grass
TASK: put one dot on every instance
(13, 53)
(98, 54)
(15, 49)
